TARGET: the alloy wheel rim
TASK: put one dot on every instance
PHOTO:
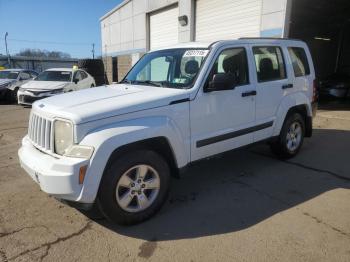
(294, 136)
(137, 188)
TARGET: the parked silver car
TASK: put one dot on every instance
(11, 80)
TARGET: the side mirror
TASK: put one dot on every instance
(75, 80)
(221, 81)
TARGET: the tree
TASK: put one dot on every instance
(42, 53)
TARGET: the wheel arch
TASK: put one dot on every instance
(296, 103)
(160, 145)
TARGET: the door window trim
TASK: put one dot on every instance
(283, 60)
(218, 53)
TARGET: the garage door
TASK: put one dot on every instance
(227, 19)
(164, 28)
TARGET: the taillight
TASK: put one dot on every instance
(314, 91)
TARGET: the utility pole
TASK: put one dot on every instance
(93, 51)
(7, 51)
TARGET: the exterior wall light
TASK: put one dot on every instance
(183, 20)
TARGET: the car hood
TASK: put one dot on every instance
(44, 85)
(5, 82)
(107, 101)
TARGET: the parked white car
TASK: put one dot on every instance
(52, 82)
(11, 80)
(117, 146)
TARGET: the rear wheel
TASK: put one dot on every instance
(291, 137)
(134, 187)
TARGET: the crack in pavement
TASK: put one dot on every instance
(305, 167)
(50, 244)
(326, 224)
(316, 219)
(4, 234)
(3, 256)
(13, 128)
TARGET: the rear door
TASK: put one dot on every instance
(272, 84)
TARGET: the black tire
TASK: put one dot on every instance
(106, 199)
(279, 147)
(12, 95)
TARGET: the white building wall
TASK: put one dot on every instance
(227, 19)
(124, 29)
(273, 17)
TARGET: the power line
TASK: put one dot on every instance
(46, 42)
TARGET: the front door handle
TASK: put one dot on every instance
(249, 93)
(287, 86)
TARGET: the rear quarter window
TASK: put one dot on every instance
(299, 61)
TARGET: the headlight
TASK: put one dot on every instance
(80, 151)
(63, 132)
(57, 91)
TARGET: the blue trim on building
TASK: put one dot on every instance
(276, 32)
(125, 52)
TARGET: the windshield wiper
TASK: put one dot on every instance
(149, 82)
(126, 81)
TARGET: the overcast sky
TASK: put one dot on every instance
(69, 26)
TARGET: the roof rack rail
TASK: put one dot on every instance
(268, 38)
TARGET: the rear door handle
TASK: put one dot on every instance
(287, 86)
(249, 93)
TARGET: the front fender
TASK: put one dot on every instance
(108, 138)
(287, 103)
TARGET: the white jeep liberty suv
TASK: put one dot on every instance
(116, 146)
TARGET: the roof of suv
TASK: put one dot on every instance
(250, 40)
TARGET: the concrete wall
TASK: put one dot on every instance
(273, 18)
(124, 30)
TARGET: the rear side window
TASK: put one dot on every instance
(83, 74)
(299, 61)
(269, 63)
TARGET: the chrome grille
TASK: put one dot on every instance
(39, 131)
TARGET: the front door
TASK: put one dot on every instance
(224, 120)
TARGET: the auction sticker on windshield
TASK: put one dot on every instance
(200, 53)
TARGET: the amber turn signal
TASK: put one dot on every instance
(82, 172)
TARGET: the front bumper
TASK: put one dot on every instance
(58, 177)
(3, 92)
(26, 98)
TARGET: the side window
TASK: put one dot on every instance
(24, 76)
(83, 74)
(299, 61)
(269, 63)
(77, 75)
(232, 61)
(33, 74)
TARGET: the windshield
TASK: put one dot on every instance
(60, 76)
(172, 68)
(8, 74)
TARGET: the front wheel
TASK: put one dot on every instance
(134, 187)
(12, 95)
(291, 137)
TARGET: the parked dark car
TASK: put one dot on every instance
(336, 85)
(11, 80)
